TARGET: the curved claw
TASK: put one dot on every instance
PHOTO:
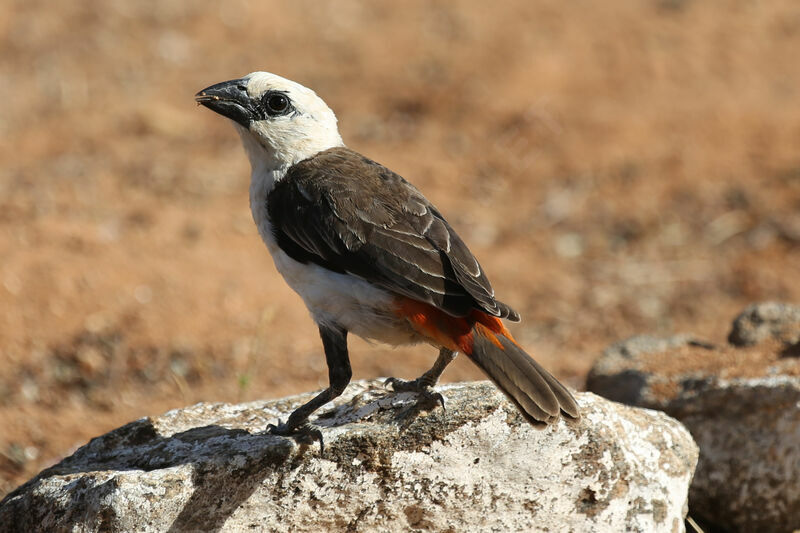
(272, 429)
(429, 399)
(436, 396)
(417, 386)
(305, 434)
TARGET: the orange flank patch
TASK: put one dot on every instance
(455, 333)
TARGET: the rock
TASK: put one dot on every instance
(622, 375)
(763, 321)
(477, 466)
(742, 406)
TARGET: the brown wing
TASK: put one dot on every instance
(347, 213)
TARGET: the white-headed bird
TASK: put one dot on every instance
(368, 253)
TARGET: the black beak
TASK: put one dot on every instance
(229, 99)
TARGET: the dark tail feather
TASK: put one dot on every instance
(536, 393)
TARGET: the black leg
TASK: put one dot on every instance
(334, 340)
(423, 384)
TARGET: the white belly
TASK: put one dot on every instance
(347, 301)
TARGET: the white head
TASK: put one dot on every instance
(280, 121)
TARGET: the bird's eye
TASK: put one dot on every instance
(277, 103)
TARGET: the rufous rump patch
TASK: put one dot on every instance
(454, 333)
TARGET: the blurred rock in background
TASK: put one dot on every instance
(741, 402)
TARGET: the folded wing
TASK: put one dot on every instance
(349, 214)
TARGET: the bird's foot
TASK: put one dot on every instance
(305, 433)
(427, 398)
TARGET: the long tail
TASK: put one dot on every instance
(484, 339)
(535, 392)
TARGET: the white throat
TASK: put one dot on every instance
(261, 159)
(267, 168)
(273, 146)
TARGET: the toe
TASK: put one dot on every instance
(438, 398)
(305, 434)
(401, 385)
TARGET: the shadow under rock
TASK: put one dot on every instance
(228, 466)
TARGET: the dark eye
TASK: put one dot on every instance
(277, 103)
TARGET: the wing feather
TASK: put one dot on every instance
(347, 213)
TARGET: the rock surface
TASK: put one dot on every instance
(477, 466)
(769, 320)
(741, 404)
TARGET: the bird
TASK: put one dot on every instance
(368, 254)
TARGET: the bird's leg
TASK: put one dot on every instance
(334, 340)
(423, 384)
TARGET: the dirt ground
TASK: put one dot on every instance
(619, 168)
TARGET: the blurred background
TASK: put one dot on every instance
(618, 168)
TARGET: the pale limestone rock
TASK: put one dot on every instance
(476, 467)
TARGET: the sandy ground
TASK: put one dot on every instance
(620, 168)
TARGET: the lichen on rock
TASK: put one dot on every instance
(386, 466)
